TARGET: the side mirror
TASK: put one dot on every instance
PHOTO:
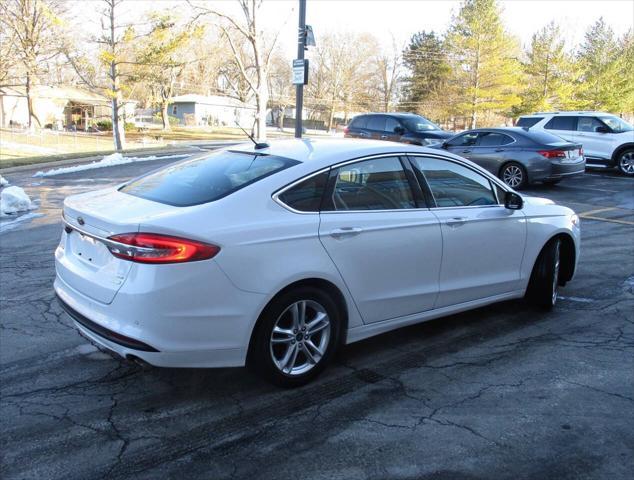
(399, 130)
(444, 145)
(513, 201)
(602, 129)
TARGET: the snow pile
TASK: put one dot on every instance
(3, 181)
(14, 200)
(107, 161)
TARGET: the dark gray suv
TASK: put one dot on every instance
(396, 127)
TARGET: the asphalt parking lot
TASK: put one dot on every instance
(500, 392)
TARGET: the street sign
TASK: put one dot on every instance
(300, 72)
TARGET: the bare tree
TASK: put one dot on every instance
(387, 70)
(254, 73)
(30, 27)
(280, 88)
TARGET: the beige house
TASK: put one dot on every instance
(57, 107)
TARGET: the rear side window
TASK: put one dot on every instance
(205, 179)
(359, 122)
(376, 122)
(528, 122)
(561, 123)
(391, 124)
(493, 139)
(306, 196)
(377, 184)
(453, 185)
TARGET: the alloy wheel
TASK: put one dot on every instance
(626, 163)
(513, 176)
(300, 337)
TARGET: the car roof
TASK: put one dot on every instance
(391, 114)
(576, 113)
(520, 130)
(327, 150)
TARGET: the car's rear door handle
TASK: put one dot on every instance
(383, 136)
(456, 221)
(500, 149)
(345, 232)
(466, 151)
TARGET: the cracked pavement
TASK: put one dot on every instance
(500, 392)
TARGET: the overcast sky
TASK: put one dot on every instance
(402, 18)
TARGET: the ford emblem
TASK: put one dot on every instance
(80, 220)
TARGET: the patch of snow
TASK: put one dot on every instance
(14, 200)
(25, 147)
(107, 161)
(3, 181)
(10, 225)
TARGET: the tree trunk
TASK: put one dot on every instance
(261, 101)
(165, 116)
(118, 132)
(280, 119)
(29, 102)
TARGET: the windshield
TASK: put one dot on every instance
(419, 124)
(616, 124)
(205, 179)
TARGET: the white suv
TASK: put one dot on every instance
(608, 141)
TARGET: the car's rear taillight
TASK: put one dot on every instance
(156, 248)
(346, 130)
(552, 153)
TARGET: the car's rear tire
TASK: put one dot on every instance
(543, 287)
(286, 349)
(626, 162)
(514, 175)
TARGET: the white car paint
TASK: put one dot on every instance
(400, 267)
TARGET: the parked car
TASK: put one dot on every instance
(519, 156)
(396, 127)
(276, 256)
(608, 141)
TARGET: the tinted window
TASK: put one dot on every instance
(391, 124)
(376, 122)
(359, 122)
(378, 184)
(542, 137)
(306, 196)
(528, 122)
(454, 185)
(465, 140)
(416, 123)
(205, 179)
(561, 123)
(588, 124)
(493, 139)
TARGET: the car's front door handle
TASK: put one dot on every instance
(466, 151)
(384, 136)
(500, 149)
(456, 221)
(345, 232)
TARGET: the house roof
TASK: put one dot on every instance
(216, 100)
(70, 93)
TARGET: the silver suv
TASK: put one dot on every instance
(608, 141)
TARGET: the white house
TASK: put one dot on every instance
(192, 109)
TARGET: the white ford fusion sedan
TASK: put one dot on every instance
(274, 256)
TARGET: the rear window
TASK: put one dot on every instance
(359, 122)
(528, 122)
(205, 179)
(545, 138)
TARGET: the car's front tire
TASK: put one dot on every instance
(543, 287)
(626, 162)
(514, 175)
(296, 337)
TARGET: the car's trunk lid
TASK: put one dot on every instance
(84, 261)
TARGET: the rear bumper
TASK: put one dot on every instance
(189, 316)
(559, 170)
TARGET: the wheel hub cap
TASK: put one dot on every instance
(512, 176)
(627, 163)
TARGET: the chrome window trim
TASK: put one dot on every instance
(275, 196)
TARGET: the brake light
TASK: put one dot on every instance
(156, 248)
(552, 153)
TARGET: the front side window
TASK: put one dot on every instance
(306, 196)
(561, 123)
(465, 140)
(205, 179)
(377, 184)
(391, 124)
(416, 123)
(453, 185)
(492, 139)
(618, 125)
(588, 124)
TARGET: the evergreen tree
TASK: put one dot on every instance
(549, 73)
(484, 60)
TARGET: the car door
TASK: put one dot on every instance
(358, 127)
(376, 127)
(462, 145)
(483, 242)
(386, 246)
(492, 149)
(564, 126)
(595, 144)
(392, 125)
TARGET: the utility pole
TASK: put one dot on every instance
(301, 45)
